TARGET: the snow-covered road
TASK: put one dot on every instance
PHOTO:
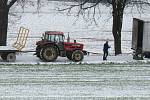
(75, 82)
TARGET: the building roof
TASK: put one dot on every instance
(146, 19)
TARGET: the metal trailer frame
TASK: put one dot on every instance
(8, 53)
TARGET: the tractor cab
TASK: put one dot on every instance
(53, 36)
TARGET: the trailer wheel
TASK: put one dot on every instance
(49, 53)
(69, 55)
(11, 57)
(4, 56)
(77, 56)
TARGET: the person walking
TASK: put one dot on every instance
(105, 50)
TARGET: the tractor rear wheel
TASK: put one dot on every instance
(39, 52)
(69, 55)
(49, 53)
(77, 56)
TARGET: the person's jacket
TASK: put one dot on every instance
(106, 47)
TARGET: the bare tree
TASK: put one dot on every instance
(117, 6)
(5, 6)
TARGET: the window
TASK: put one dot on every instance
(52, 38)
(57, 38)
(61, 38)
(46, 37)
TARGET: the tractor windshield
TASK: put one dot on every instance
(54, 37)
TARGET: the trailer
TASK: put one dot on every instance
(141, 38)
(8, 53)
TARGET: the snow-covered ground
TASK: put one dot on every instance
(49, 19)
(29, 78)
(75, 82)
(29, 58)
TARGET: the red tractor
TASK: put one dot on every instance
(52, 45)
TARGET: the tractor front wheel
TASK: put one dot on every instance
(77, 56)
(49, 53)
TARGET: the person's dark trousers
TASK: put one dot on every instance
(105, 55)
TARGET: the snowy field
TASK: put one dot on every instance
(29, 78)
(86, 32)
(75, 82)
